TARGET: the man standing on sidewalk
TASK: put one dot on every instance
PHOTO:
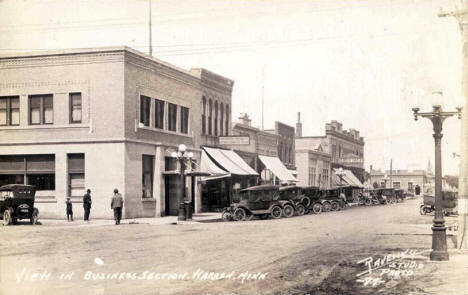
(87, 204)
(116, 205)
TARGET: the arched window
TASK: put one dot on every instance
(227, 119)
(216, 119)
(221, 119)
(210, 112)
(204, 115)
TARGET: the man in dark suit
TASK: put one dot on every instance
(87, 204)
(116, 205)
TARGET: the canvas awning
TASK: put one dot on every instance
(208, 166)
(230, 161)
(348, 178)
(277, 168)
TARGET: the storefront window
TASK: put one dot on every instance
(147, 176)
(43, 182)
(76, 175)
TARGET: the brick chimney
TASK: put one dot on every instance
(299, 125)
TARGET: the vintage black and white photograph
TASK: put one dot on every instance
(241, 147)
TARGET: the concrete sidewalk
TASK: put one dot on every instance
(196, 218)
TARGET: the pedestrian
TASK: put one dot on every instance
(417, 190)
(87, 204)
(69, 209)
(116, 205)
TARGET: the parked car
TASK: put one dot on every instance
(332, 197)
(262, 201)
(389, 193)
(292, 200)
(312, 201)
(17, 203)
(378, 197)
(449, 203)
(400, 195)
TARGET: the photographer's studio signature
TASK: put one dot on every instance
(389, 267)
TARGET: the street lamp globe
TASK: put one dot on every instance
(182, 148)
(174, 155)
(437, 98)
(190, 155)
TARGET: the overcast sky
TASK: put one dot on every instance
(363, 63)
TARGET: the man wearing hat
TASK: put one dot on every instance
(116, 205)
(87, 204)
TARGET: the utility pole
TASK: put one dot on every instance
(150, 34)
(461, 16)
(391, 173)
(263, 96)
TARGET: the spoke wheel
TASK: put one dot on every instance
(226, 216)
(7, 217)
(300, 209)
(276, 212)
(335, 206)
(317, 208)
(368, 202)
(326, 206)
(306, 202)
(422, 210)
(239, 214)
(288, 211)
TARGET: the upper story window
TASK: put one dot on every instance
(145, 104)
(227, 120)
(210, 112)
(203, 115)
(41, 109)
(184, 119)
(221, 119)
(75, 107)
(159, 114)
(172, 118)
(9, 110)
(216, 118)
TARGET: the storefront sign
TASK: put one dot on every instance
(234, 140)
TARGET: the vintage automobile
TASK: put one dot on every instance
(378, 197)
(400, 195)
(449, 203)
(386, 195)
(312, 201)
(331, 198)
(262, 201)
(292, 200)
(17, 202)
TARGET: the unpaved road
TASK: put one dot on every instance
(315, 254)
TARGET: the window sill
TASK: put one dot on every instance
(148, 200)
(165, 131)
(44, 126)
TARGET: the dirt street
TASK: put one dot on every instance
(315, 254)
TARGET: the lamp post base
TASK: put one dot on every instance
(439, 244)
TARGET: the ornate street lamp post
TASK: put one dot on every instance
(439, 238)
(184, 203)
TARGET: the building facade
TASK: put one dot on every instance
(402, 179)
(286, 144)
(313, 167)
(100, 119)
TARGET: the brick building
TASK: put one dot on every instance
(103, 118)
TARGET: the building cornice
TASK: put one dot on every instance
(344, 136)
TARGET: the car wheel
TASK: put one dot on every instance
(226, 216)
(335, 206)
(239, 214)
(368, 202)
(317, 208)
(7, 217)
(288, 211)
(326, 206)
(276, 212)
(300, 210)
(422, 210)
(306, 202)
